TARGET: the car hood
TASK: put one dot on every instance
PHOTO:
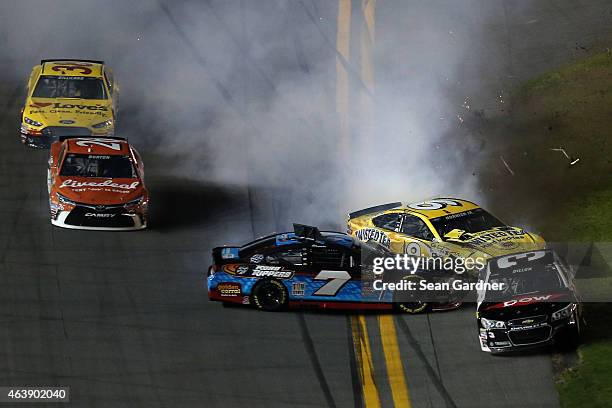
(501, 241)
(525, 305)
(94, 190)
(68, 112)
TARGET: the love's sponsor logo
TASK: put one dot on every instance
(107, 183)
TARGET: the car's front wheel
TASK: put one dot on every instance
(270, 295)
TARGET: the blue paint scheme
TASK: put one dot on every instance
(350, 292)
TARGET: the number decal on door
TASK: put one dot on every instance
(337, 279)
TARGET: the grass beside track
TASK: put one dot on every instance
(569, 108)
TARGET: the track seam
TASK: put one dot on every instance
(314, 359)
(428, 368)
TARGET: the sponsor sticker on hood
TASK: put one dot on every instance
(526, 300)
(107, 183)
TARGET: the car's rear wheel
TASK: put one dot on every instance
(410, 302)
(270, 295)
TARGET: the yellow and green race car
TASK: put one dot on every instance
(68, 98)
(441, 227)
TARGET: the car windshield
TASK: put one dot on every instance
(50, 86)
(545, 279)
(91, 165)
(469, 221)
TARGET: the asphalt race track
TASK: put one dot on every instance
(123, 318)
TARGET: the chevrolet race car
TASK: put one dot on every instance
(96, 183)
(442, 227)
(67, 98)
(310, 268)
(534, 304)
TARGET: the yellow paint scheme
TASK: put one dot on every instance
(71, 112)
(489, 243)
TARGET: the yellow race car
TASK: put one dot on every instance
(441, 227)
(68, 98)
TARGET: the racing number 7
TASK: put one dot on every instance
(337, 279)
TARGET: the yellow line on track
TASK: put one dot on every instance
(363, 355)
(393, 361)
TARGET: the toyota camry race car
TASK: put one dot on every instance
(528, 300)
(442, 227)
(96, 183)
(67, 98)
(312, 268)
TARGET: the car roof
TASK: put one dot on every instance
(431, 212)
(430, 209)
(278, 240)
(102, 146)
(91, 69)
(521, 262)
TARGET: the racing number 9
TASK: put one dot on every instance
(337, 279)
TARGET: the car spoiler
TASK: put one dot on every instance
(377, 208)
(307, 232)
(71, 60)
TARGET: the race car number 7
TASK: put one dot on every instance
(337, 279)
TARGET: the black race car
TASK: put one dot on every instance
(527, 300)
(312, 268)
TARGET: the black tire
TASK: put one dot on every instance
(270, 295)
(407, 302)
(570, 341)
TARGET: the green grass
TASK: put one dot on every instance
(570, 107)
(590, 383)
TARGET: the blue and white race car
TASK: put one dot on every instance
(308, 268)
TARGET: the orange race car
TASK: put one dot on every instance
(97, 184)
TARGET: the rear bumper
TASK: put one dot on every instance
(118, 222)
(43, 139)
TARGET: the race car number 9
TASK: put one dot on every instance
(337, 279)
(434, 204)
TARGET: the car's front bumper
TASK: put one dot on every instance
(525, 338)
(79, 218)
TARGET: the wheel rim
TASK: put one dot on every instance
(270, 295)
